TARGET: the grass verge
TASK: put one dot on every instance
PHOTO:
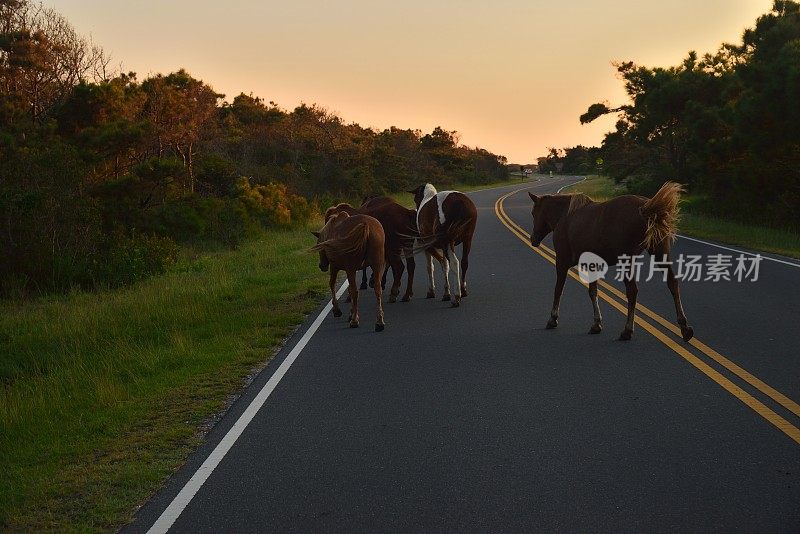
(704, 226)
(104, 395)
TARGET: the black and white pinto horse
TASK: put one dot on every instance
(444, 220)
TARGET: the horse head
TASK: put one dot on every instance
(540, 225)
(422, 192)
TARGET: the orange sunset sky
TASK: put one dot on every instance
(511, 76)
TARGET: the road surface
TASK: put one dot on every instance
(479, 419)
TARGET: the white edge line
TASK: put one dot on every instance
(740, 251)
(187, 493)
(499, 187)
(715, 244)
(512, 185)
(570, 185)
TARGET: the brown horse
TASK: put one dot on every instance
(399, 226)
(625, 225)
(444, 220)
(349, 243)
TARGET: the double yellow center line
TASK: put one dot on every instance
(679, 348)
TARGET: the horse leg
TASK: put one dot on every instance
(631, 291)
(378, 270)
(337, 312)
(465, 248)
(687, 332)
(351, 279)
(561, 277)
(597, 327)
(363, 284)
(431, 282)
(385, 272)
(446, 268)
(450, 254)
(397, 266)
(411, 265)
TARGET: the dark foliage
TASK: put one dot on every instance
(101, 176)
(726, 124)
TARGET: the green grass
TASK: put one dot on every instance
(703, 226)
(105, 394)
(599, 188)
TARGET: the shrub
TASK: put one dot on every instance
(196, 220)
(272, 204)
(129, 259)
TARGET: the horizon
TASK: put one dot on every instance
(466, 70)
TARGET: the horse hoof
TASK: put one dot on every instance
(455, 304)
(337, 313)
(392, 299)
(595, 329)
(626, 335)
(353, 324)
(446, 298)
(430, 295)
(552, 323)
(688, 333)
(405, 298)
(379, 327)
(464, 293)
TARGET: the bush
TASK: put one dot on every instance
(272, 204)
(129, 259)
(196, 220)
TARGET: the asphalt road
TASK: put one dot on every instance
(479, 419)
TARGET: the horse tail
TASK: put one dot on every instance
(352, 243)
(424, 242)
(456, 230)
(661, 213)
(450, 234)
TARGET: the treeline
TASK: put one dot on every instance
(104, 175)
(572, 160)
(727, 124)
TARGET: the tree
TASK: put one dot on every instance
(181, 110)
(41, 59)
(727, 124)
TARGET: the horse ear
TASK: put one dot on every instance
(316, 234)
(533, 197)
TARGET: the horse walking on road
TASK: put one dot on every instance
(444, 220)
(349, 243)
(400, 228)
(625, 225)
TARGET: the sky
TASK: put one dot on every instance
(511, 76)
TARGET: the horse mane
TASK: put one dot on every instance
(577, 201)
(342, 206)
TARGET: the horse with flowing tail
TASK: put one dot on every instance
(444, 220)
(623, 226)
(350, 243)
(400, 228)
(350, 210)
